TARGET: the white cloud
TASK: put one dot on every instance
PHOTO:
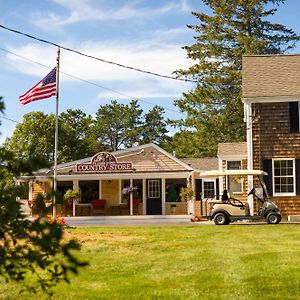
(84, 10)
(120, 83)
(147, 55)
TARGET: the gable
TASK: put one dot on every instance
(145, 158)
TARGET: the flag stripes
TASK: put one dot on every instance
(43, 89)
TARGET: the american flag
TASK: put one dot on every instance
(42, 90)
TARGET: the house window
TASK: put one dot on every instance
(154, 189)
(209, 189)
(234, 184)
(284, 177)
(294, 108)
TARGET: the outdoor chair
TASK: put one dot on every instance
(98, 207)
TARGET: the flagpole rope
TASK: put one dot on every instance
(96, 58)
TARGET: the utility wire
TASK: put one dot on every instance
(93, 57)
(89, 82)
(9, 119)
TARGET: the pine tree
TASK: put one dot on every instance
(234, 28)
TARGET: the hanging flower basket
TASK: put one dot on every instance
(129, 189)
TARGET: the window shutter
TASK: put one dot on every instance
(297, 176)
(217, 188)
(294, 117)
(267, 166)
(198, 189)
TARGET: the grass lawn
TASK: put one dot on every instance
(183, 262)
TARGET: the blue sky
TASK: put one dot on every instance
(145, 34)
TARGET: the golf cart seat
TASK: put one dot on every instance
(225, 196)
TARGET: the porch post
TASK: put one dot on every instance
(75, 187)
(163, 196)
(144, 197)
(131, 199)
(30, 190)
(100, 190)
(248, 110)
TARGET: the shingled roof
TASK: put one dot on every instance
(203, 164)
(145, 158)
(232, 149)
(271, 75)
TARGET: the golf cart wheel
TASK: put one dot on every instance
(221, 219)
(273, 218)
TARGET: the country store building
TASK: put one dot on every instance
(105, 180)
(154, 176)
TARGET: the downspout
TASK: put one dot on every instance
(248, 111)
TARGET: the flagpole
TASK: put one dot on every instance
(56, 134)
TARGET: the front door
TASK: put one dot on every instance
(154, 203)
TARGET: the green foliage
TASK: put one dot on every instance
(34, 248)
(154, 128)
(114, 127)
(120, 126)
(28, 247)
(186, 193)
(74, 141)
(71, 195)
(214, 108)
(36, 135)
(117, 125)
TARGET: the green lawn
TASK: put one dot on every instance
(184, 262)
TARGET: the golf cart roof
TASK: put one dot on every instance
(217, 173)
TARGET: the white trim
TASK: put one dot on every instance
(111, 176)
(30, 190)
(130, 198)
(242, 180)
(209, 180)
(100, 189)
(294, 178)
(144, 196)
(163, 196)
(271, 99)
(120, 190)
(153, 182)
(248, 110)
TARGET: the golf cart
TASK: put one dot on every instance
(224, 209)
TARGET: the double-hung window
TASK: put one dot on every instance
(234, 183)
(284, 177)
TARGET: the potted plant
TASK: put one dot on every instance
(70, 198)
(186, 194)
(72, 195)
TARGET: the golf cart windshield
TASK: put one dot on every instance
(241, 173)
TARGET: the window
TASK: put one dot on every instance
(154, 189)
(209, 189)
(294, 116)
(284, 177)
(234, 184)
